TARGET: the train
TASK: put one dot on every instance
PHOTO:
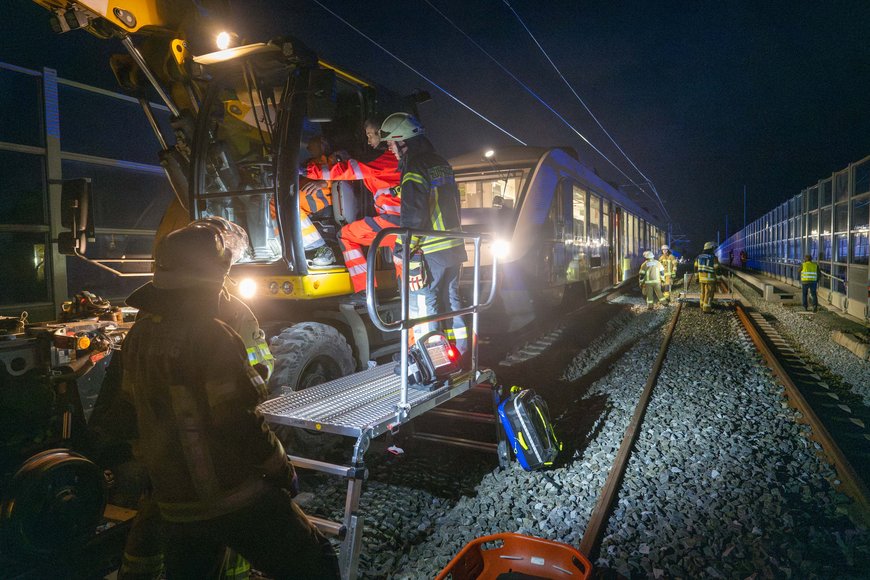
(564, 235)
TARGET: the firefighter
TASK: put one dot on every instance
(220, 477)
(707, 267)
(112, 422)
(670, 264)
(381, 177)
(809, 282)
(430, 201)
(650, 277)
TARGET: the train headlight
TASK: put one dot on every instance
(501, 249)
(247, 288)
(225, 40)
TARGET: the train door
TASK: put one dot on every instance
(554, 259)
(616, 243)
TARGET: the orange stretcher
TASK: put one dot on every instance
(490, 556)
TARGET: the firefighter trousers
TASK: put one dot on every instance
(708, 291)
(652, 291)
(272, 533)
(354, 236)
(440, 294)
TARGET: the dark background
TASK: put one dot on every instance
(704, 97)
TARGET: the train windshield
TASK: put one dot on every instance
(499, 189)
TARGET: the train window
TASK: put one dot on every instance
(605, 222)
(594, 217)
(494, 190)
(579, 211)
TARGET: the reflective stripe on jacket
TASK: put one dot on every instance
(809, 272)
(651, 272)
(430, 199)
(380, 176)
(706, 265)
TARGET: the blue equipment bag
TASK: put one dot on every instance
(526, 421)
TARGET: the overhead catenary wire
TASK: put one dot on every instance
(588, 110)
(538, 98)
(421, 75)
(533, 94)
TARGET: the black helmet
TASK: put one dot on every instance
(193, 256)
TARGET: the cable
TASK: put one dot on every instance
(541, 100)
(421, 75)
(559, 72)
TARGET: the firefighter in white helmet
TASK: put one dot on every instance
(650, 278)
(707, 267)
(670, 264)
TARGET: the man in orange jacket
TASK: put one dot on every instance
(381, 177)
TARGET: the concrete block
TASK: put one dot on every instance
(854, 344)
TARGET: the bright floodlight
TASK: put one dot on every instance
(223, 40)
(247, 288)
(501, 249)
(489, 154)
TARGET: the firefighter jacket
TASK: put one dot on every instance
(380, 176)
(670, 264)
(207, 449)
(651, 272)
(707, 267)
(430, 201)
(809, 272)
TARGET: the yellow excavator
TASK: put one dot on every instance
(240, 116)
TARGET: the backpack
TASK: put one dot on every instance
(526, 421)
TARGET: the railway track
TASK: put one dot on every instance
(838, 429)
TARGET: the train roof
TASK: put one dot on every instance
(518, 156)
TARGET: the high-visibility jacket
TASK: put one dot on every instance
(670, 264)
(707, 266)
(809, 272)
(380, 176)
(430, 200)
(207, 449)
(651, 272)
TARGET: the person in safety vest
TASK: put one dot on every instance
(670, 264)
(381, 177)
(707, 267)
(220, 478)
(650, 277)
(809, 282)
(314, 197)
(430, 201)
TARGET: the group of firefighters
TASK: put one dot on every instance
(656, 276)
(195, 365)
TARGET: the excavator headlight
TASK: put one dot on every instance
(501, 249)
(225, 40)
(247, 288)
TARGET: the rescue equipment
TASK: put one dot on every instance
(432, 359)
(526, 421)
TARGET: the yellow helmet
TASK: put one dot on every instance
(709, 245)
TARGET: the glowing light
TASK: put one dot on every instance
(247, 288)
(223, 40)
(489, 154)
(501, 249)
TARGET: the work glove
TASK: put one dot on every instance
(285, 479)
(417, 278)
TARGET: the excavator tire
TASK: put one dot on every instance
(307, 354)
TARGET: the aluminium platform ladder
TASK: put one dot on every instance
(367, 404)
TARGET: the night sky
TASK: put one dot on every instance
(703, 96)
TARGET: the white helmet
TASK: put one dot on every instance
(400, 127)
(665, 248)
(648, 255)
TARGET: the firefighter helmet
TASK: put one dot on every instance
(709, 245)
(648, 255)
(665, 248)
(190, 257)
(400, 127)
(234, 236)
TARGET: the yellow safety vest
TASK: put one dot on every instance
(809, 272)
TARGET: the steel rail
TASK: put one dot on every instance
(600, 514)
(850, 483)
